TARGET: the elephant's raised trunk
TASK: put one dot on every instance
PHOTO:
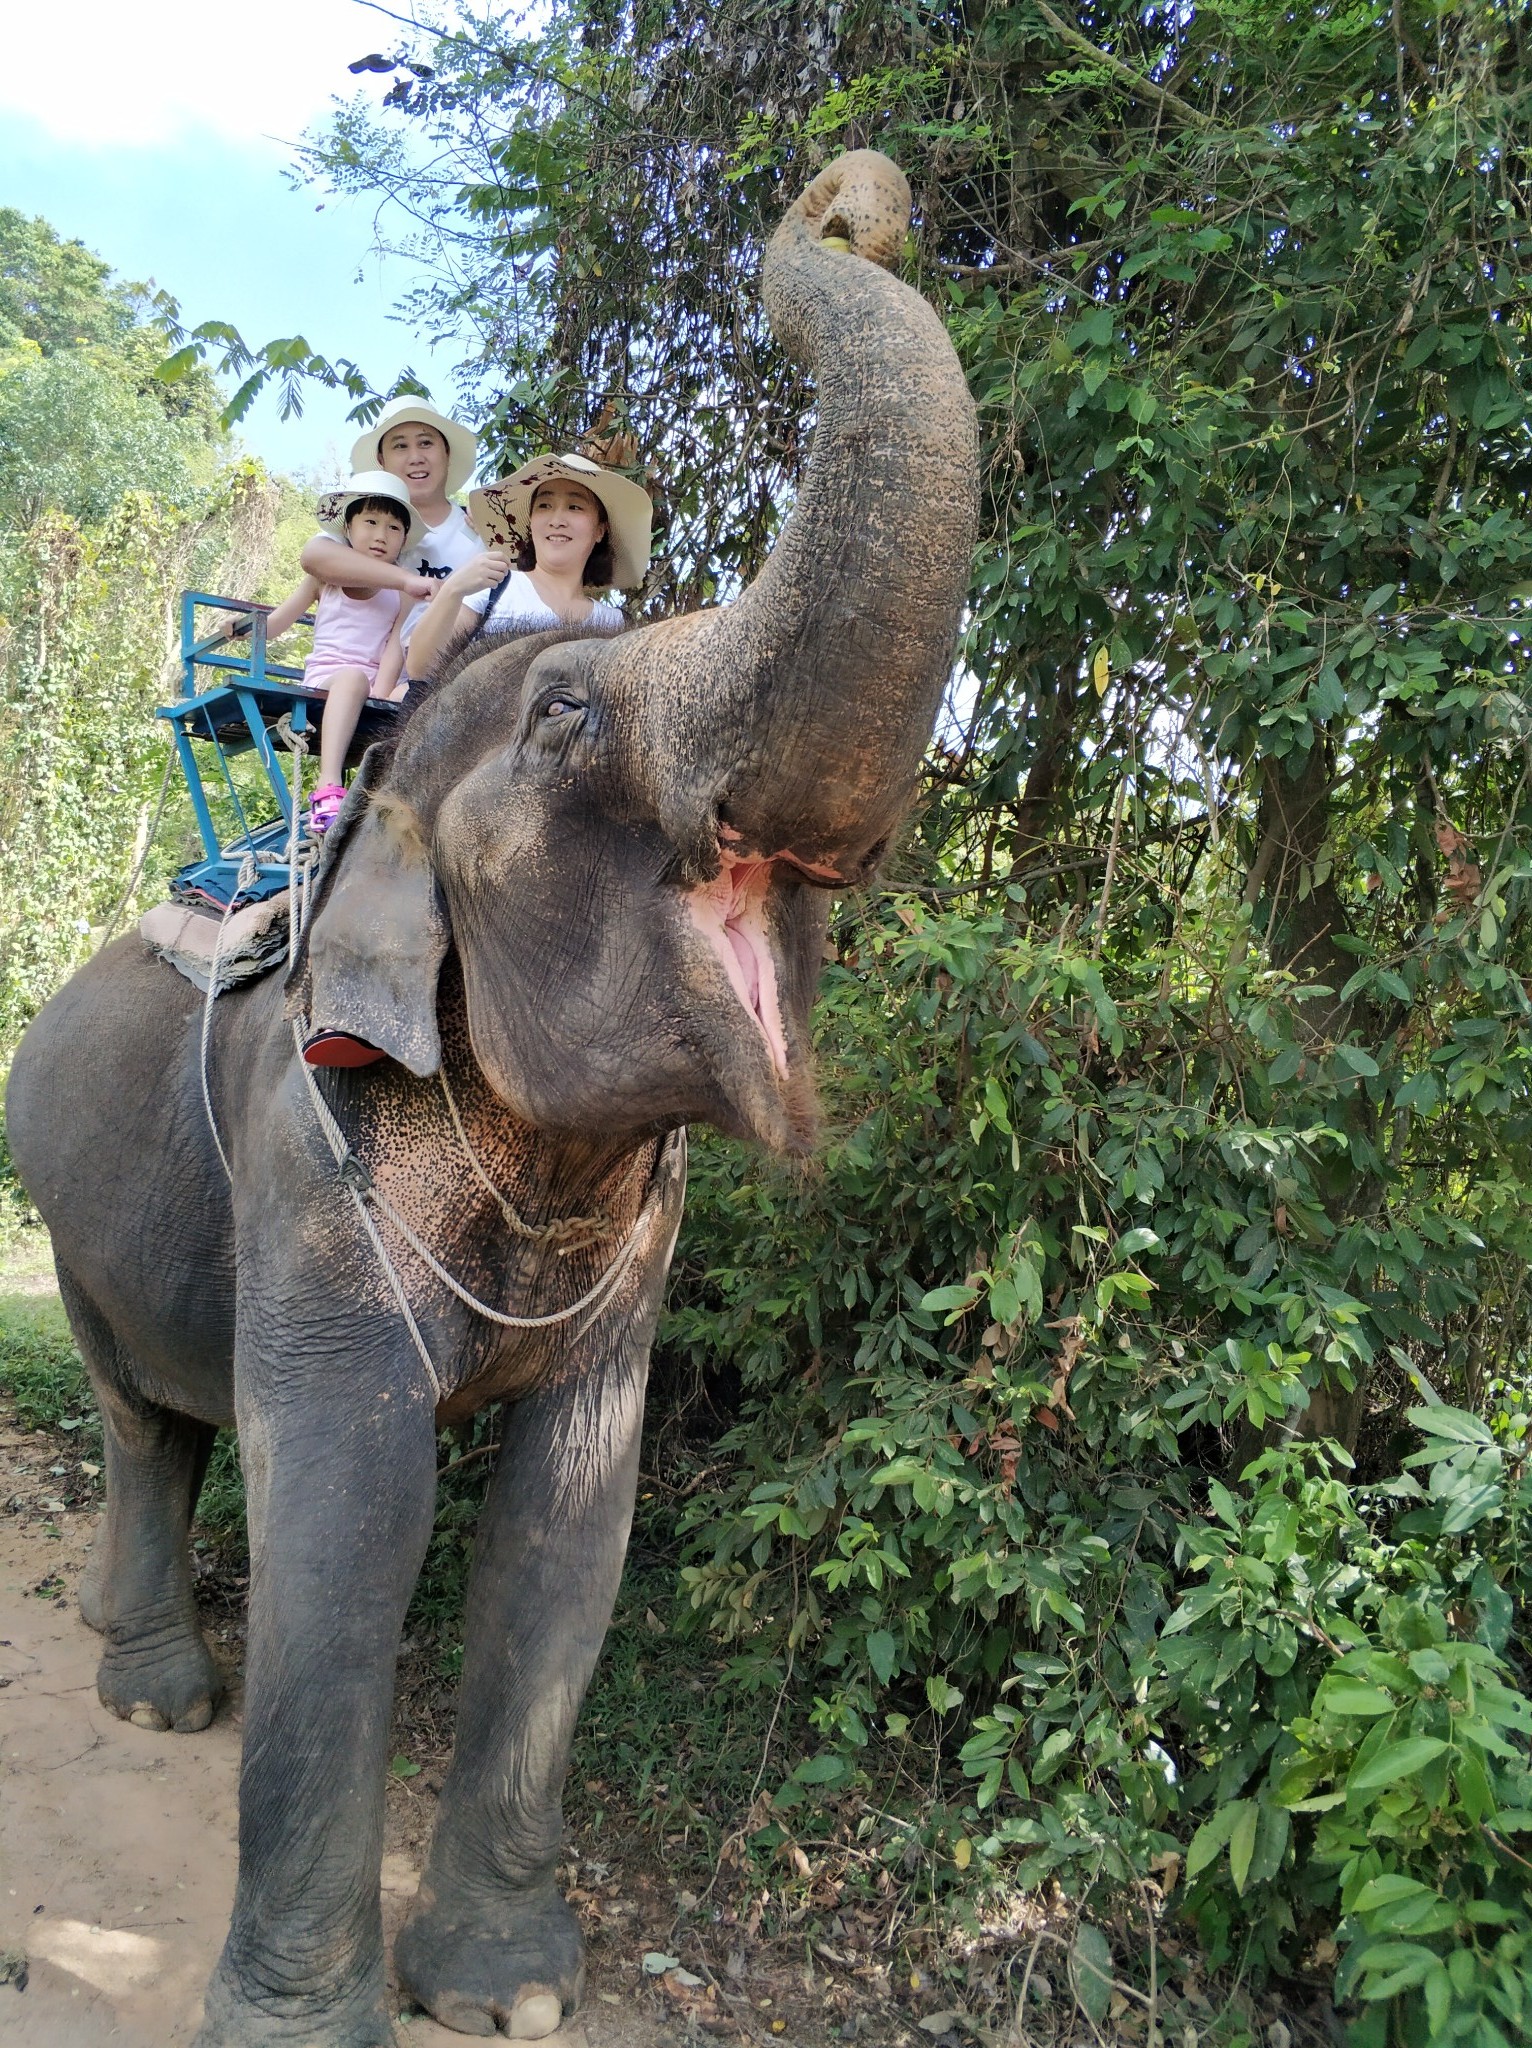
(803, 708)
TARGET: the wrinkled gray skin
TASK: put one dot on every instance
(589, 886)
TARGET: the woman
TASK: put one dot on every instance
(558, 529)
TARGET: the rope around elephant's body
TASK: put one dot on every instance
(333, 1134)
(364, 1191)
(567, 1233)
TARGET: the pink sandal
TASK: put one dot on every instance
(324, 807)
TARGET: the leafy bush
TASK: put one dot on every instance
(1073, 1252)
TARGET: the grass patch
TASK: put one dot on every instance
(40, 1369)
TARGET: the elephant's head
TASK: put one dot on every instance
(629, 842)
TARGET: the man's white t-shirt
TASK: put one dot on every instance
(520, 604)
(439, 550)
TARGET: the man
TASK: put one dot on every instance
(433, 457)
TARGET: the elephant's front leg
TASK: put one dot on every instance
(491, 1944)
(339, 1456)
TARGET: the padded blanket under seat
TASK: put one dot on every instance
(254, 940)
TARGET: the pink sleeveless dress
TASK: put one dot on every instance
(349, 632)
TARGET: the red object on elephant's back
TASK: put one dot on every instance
(340, 1049)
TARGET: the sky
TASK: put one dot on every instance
(157, 132)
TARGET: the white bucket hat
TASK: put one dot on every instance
(501, 512)
(367, 483)
(462, 445)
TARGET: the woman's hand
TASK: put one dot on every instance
(483, 572)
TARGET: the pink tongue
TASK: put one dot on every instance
(728, 909)
(745, 954)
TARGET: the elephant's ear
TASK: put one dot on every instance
(368, 959)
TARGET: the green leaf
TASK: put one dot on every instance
(1242, 1842)
(1394, 1761)
(1438, 1990)
(401, 1767)
(1355, 1061)
(824, 1769)
(1469, 1505)
(1450, 1422)
(1350, 1696)
(941, 1696)
(1209, 1839)
(175, 367)
(1388, 1890)
(1090, 1970)
(882, 1654)
(1383, 1977)
(898, 1472)
(1094, 330)
(1140, 1239)
(942, 1299)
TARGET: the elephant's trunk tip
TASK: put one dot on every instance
(860, 202)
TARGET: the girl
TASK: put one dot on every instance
(558, 529)
(356, 652)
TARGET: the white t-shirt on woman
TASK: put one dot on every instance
(520, 607)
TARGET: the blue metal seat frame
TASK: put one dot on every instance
(234, 712)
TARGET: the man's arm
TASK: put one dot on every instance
(331, 561)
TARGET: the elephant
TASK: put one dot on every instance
(579, 901)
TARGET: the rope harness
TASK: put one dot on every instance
(564, 1234)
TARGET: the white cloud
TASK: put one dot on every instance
(124, 73)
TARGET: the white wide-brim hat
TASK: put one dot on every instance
(462, 444)
(367, 483)
(501, 513)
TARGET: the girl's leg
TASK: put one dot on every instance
(345, 694)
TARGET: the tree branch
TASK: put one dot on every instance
(1135, 81)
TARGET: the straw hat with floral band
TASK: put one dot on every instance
(335, 506)
(501, 513)
(462, 444)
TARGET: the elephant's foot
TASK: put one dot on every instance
(160, 1685)
(514, 1966)
(233, 2018)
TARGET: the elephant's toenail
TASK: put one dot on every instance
(535, 2018)
(145, 1716)
(195, 1718)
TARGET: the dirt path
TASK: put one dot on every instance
(117, 1847)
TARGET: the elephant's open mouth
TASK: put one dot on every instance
(730, 914)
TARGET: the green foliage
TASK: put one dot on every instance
(76, 438)
(115, 494)
(89, 655)
(56, 301)
(54, 293)
(1178, 1122)
(982, 1510)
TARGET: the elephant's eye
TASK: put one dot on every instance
(558, 714)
